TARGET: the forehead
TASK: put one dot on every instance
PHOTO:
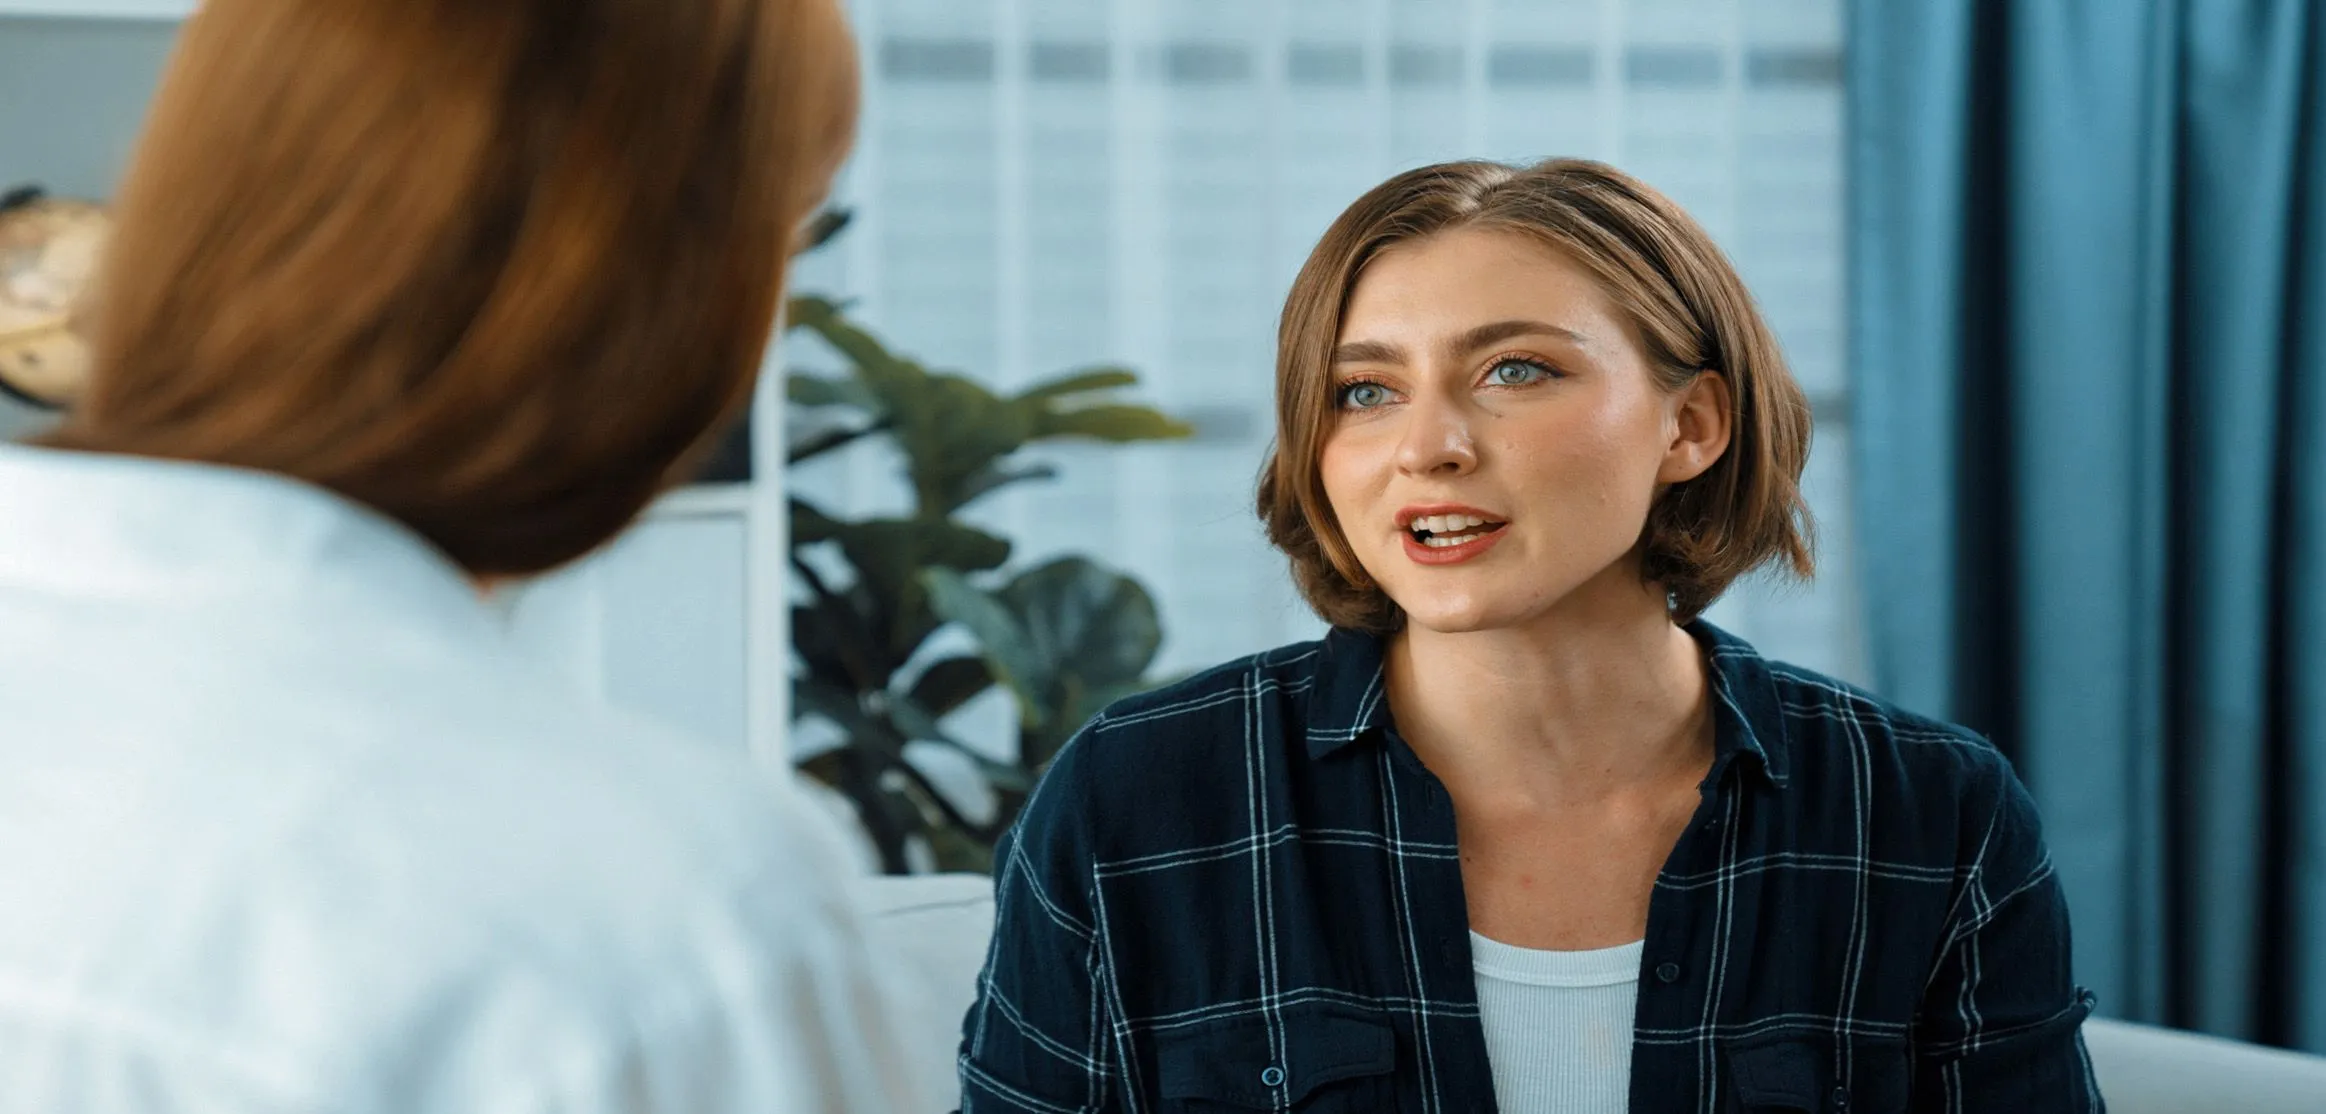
(1451, 280)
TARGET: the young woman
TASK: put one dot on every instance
(407, 297)
(1524, 831)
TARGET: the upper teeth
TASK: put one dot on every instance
(1447, 523)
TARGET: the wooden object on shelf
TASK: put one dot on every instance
(49, 248)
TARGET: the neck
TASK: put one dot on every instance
(1602, 697)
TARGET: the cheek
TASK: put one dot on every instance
(1601, 457)
(1345, 467)
(1573, 446)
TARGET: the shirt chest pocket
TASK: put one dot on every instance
(1317, 1058)
(1806, 1073)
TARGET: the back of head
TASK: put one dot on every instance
(500, 269)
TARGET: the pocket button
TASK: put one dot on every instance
(1272, 1076)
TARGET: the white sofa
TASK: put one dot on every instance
(936, 928)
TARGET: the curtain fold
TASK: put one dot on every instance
(2088, 330)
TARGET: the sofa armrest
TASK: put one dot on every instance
(933, 929)
(2147, 1070)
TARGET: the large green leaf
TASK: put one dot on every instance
(949, 428)
(834, 631)
(889, 555)
(914, 722)
(815, 390)
(1086, 620)
(809, 525)
(874, 363)
(1080, 382)
(1067, 638)
(817, 698)
(1113, 423)
(952, 431)
(996, 475)
(845, 707)
(947, 685)
(1004, 640)
(825, 640)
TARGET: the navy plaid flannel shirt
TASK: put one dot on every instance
(1241, 892)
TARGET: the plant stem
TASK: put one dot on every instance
(860, 780)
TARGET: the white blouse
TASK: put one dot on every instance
(283, 827)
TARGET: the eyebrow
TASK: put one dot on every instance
(1470, 340)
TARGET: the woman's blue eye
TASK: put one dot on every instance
(1516, 373)
(1363, 396)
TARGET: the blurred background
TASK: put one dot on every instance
(1052, 183)
(2049, 272)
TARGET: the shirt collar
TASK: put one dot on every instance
(194, 535)
(1748, 721)
(1350, 701)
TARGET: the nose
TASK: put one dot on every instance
(1437, 440)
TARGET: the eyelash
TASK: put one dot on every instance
(1341, 393)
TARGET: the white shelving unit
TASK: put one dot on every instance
(99, 9)
(706, 501)
(685, 618)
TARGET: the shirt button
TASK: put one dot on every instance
(1272, 1076)
(1840, 1098)
(1668, 972)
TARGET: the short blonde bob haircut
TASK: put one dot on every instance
(500, 269)
(1688, 307)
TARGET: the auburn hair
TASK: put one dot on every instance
(1692, 314)
(500, 269)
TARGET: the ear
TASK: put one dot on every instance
(1702, 421)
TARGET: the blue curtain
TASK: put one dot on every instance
(2088, 325)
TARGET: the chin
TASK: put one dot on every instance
(1487, 606)
(1458, 616)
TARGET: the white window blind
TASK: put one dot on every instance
(1043, 184)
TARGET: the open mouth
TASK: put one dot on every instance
(1445, 531)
